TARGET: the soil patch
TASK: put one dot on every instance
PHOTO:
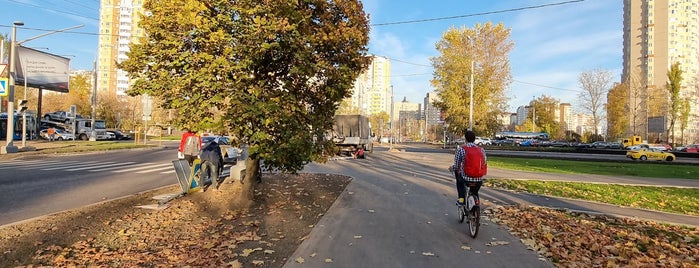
(202, 229)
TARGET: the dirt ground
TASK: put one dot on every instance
(209, 229)
(202, 229)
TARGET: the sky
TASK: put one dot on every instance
(555, 40)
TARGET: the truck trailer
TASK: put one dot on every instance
(352, 135)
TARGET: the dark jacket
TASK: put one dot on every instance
(212, 152)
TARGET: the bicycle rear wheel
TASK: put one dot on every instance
(474, 221)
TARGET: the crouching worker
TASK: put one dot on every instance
(211, 163)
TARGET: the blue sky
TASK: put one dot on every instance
(553, 44)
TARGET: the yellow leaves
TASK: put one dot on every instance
(247, 251)
(300, 260)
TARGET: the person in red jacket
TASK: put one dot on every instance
(190, 145)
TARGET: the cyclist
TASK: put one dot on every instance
(461, 178)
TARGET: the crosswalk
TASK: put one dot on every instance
(89, 166)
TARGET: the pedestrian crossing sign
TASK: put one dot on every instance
(3, 87)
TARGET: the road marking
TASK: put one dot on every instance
(63, 166)
(155, 169)
(105, 164)
(140, 168)
(32, 164)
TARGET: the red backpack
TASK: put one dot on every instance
(474, 165)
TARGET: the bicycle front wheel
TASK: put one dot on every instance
(474, 221)
(461, 211)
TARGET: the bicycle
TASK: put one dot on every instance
(471, 210)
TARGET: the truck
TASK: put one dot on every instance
(80, 127)
(631, 141)
(352, 135)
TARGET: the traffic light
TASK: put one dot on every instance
(22, 106)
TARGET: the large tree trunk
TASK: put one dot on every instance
(252, 171)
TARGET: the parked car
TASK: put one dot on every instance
(60, 134)
(222, 142)
(599, 145)
(559, 143)
(662, 146)
(504, 142)
(614, 145)
(692, 148)
(482, 141)
(110, 135)
(582, 145)
(650, 154)
(118, 135)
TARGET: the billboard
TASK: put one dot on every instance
(42, 70)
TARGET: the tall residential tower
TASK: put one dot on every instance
(657, 34)
(118, 27)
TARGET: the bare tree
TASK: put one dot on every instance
(595, 85)
(638, 98)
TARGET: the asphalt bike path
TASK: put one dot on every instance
(399, 212)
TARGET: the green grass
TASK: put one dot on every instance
(639, 169)
(668, 199)
(84, 146)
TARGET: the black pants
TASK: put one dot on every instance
(209, 170)
(461, 187)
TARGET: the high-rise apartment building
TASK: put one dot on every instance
(118, 28)
(431, 114)
(372, 90)
(658, 33)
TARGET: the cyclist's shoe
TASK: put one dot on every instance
(460, 202)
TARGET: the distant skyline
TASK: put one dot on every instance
(553, 43)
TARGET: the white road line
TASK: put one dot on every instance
(140, 168)
(105, 164)
(168, 172)
(119, 167)
(63, 166)
(156, 169)
(37, 165)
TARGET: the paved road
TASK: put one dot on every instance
(399, 212)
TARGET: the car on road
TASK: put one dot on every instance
(59, 135)
(118, 135)
(614, 145)
(482, 141)
(692, 148)
(505, 142)
(650, 154)
(599, 145)
(559, 143)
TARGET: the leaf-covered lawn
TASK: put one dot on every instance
(579, 240)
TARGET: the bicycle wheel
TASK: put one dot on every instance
(474, 221)
(461, 212)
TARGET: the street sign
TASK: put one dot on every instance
(3, 86)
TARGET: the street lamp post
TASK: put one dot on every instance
(11, 148)
(470, 105)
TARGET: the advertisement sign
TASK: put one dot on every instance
(43, 70)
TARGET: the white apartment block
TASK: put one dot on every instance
(118, 28)
(372, 91)
(658, 33)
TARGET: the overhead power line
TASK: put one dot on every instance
(558, 88)
(477, 14)
(54, 10)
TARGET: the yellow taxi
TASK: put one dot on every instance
(650, 154)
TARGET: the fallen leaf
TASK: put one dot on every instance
(357, 236)
(465, 247)
(258, 263)
(300, 260)
(427, 254)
